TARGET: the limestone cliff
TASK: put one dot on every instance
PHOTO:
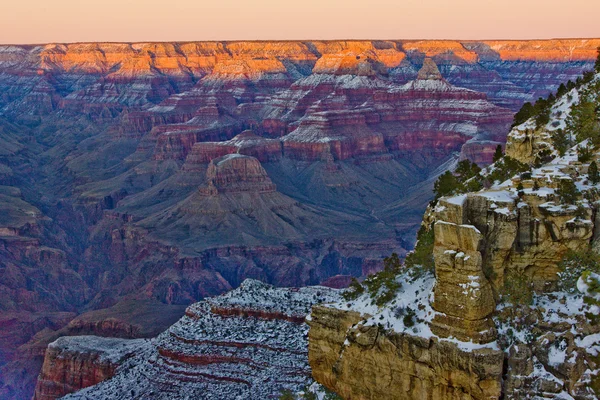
(510, 310)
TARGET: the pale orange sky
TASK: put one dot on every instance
(41, 21)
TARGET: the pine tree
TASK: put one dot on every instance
(593, 174)
(498, 153)
(445, 185)
(567, 191)
(597, 65)
(523, 114)
(562, 90)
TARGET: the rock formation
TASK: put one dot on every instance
(111, 182)
(249, 343)
(498, 318)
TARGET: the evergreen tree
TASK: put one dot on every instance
(498, 153)
(584, 153)
(582, 121)
(570, 85)
(597, 65)
(523, 114)
(567, 191)
(561, 141)
(593, 174)
(466, 169)
(445, 185)
(562, 90)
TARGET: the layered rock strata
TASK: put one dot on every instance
(249, 343)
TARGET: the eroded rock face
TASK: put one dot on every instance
(249, 343)
(365, 362)
(76, 362)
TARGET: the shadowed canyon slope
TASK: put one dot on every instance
(157, 174)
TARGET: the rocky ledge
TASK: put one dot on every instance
(250, 343)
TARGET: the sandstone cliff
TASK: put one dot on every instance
(509, 310)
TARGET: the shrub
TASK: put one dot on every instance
(354, 291)
(498, 154)
(420, 260)
(506, 168)
(593, 175)
(446, 185)
(287, 395)
(584, 153)
(561, 141)
(526, 112)
(573, 265)
(383, 286)
(517, 289)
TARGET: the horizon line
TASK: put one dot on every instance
(298, 41)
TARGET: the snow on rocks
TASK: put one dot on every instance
(250, 343)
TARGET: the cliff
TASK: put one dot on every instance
(76, 362)
(510, 307)
(248, 343)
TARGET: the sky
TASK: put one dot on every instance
(44, 21)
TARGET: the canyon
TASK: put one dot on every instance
(139, 178)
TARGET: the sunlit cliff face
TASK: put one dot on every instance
(250, 58)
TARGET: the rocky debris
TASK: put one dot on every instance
(249, 343)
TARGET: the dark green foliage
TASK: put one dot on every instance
(580, 212)
(329, 395)
(520, 189)
(583, 122)
(506, 168)
(446, 185)
(354, 290)
(571, 85)
(526, 112)
(420, 260)
(561, 141)
(584, 153)
(474, 185)
(542, 158)
(542, 110)
(308, 395)
(593, 175)
(498, 154)
(465, 178)
(409, 318)
(562, 90)
(567, 191)
(573, 265)
(466, 170)
(383, 286)
(287, 395)
(517, 289)
(597, 64)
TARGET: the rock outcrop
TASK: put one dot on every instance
(499, 317)
(76, 362)
(249, 343)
